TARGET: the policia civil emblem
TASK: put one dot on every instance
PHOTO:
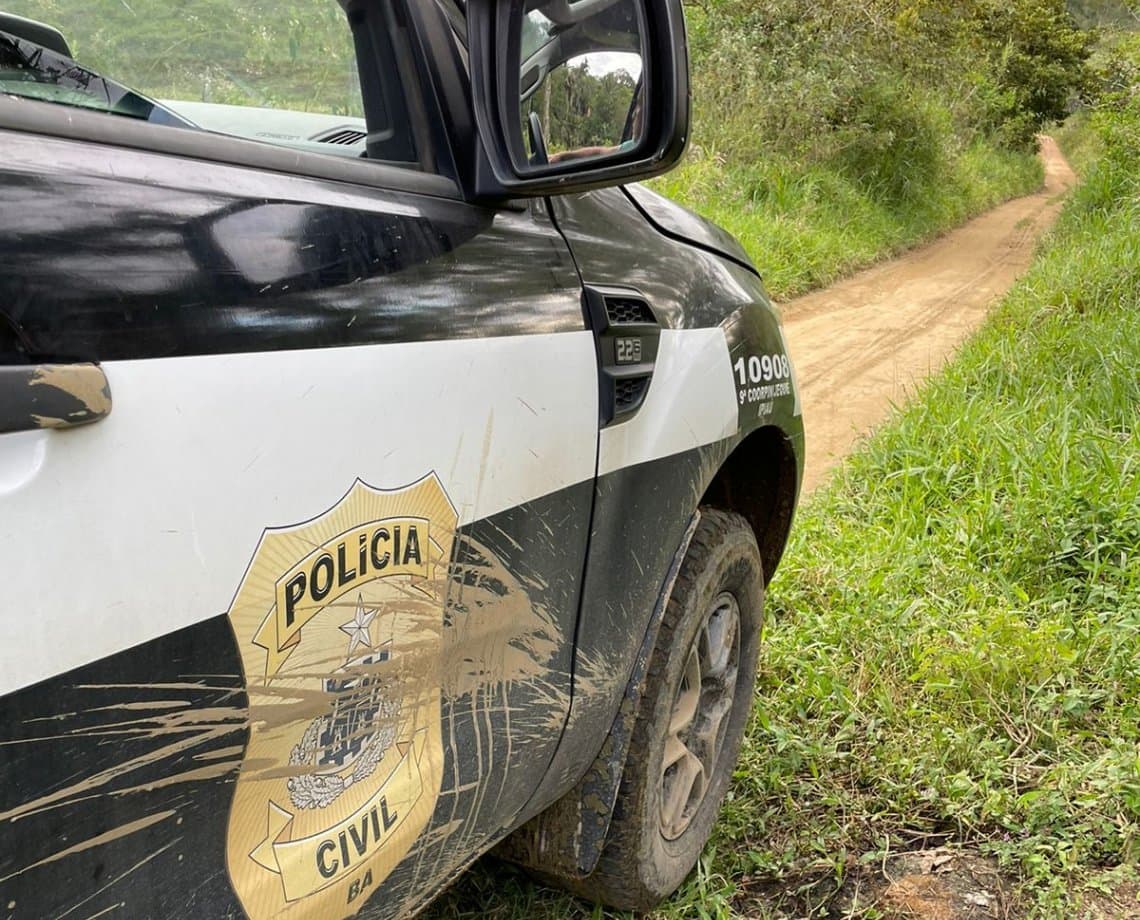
(339, 625)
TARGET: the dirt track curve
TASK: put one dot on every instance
(863, 344)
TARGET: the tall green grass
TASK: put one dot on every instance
(1081, 145)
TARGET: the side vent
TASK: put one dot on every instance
(627, 333)
(345, 137)
(623, 311)
(629, 393)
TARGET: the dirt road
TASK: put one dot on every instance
(863, 344)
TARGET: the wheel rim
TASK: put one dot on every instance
(699, 720)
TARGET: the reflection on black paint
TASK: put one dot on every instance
(122, 254)
(678, 221)
(690, 288)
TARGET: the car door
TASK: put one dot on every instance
(295, 486)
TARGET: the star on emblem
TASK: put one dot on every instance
(358, 628)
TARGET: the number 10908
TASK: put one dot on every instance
(762, 369)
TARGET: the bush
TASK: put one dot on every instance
(782, 75)
(892, 140)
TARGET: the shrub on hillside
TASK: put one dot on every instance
(1116, 69)
(782, 75)
(892, 140)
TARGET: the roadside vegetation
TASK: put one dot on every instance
(953, 648)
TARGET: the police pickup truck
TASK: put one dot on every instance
(383, 478)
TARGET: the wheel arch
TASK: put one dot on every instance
(759, 480)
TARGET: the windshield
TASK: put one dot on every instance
(250, 69)
(296, 57)
(28, 70)
(537, 32)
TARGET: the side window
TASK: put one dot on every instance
(277, 73)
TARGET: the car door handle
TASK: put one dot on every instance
(52, 396)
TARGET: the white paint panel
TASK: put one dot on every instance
(796, 408)
(691, 402)
(142, 524)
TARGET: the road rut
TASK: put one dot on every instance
(864, 344)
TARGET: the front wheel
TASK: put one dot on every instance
(691, 721)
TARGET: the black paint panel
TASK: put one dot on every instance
(126, 766)
(116, 778)
(109, 254)
(507, 729)
(613, 243)
(685, 225)
(641, 515)
(688, 287)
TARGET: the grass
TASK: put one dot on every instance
(1081, 145)
(953, 651)
(808, 225)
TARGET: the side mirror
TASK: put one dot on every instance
(571, 95)
(37, 33)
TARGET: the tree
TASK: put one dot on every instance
(1040, 62)
(581, 109)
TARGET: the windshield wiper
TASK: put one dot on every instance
(35, 72)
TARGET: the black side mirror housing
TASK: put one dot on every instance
(36, 32)
(495, 55)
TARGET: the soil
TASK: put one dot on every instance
(864, 344)
(941, 884)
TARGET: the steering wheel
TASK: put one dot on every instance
(538, 156)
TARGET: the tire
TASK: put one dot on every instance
(659, 828)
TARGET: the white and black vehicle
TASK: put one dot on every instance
(381, 481)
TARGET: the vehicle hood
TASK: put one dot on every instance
(680, 223)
